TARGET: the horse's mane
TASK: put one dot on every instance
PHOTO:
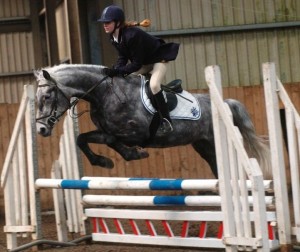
(83, 67)
(60, 71)
(62, 68)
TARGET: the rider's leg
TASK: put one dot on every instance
(145, 69)
(158, 73)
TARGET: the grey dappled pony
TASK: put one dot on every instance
(123, 122)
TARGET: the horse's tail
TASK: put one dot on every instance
(256, 146)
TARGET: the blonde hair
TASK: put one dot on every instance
(144, 23)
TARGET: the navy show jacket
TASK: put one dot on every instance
(141, 48)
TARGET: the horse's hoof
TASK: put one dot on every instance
(135, 153)
(109, 164)
(143, 153)
(103, 162)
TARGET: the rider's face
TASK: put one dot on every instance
(109, 27)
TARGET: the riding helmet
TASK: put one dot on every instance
(112, 13)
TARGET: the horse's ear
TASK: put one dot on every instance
(36, 73)
(46, 75)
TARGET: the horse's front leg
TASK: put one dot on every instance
(83, 141)
(98, 137)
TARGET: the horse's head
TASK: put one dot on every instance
(52, 103)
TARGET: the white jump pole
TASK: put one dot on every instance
(206, 201)
(112, 183)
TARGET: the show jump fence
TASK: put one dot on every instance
(109, 225)
(246, 215)
(234, 166)
(275, 92)
(19, 172)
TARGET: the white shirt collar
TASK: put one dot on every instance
(115, 39)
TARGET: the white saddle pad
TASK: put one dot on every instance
(185, 109)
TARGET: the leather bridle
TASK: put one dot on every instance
(54, 116)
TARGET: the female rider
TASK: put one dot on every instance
(140, 53)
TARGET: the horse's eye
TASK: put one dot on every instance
(43, 101)
(46, 97)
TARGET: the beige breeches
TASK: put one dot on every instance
(157, 71)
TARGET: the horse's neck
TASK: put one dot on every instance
(79, 84)
(79, 81)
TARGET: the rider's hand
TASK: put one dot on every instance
(111, 72)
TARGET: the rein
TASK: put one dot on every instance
(53, 118)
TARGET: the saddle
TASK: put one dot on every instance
(174, 86)
(181, 104)
(171, 89)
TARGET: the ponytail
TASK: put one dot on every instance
(144, 23)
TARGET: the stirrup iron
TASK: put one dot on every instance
(165, 127)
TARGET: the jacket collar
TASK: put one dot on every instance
(112, 38)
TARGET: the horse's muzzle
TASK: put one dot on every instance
(43, 129)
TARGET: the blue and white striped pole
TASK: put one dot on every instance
(111, 183)
(125, 200)
(142, 184)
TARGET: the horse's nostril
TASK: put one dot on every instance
(42, 130)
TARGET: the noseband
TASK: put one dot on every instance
(53, 116)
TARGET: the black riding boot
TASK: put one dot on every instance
(162, 108)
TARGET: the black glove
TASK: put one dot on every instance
(111, 72)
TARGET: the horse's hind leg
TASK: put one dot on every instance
(207, 151)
